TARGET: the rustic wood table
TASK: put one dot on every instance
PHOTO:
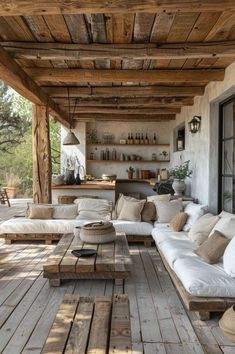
(87, 325)
(112, 261)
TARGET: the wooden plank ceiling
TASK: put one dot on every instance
(139, 62)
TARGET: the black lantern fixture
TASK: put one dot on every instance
(71, 138)
(194, 124)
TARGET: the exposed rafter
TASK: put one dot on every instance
(144, 111)
(63, 51)
(109, 76)
(123, 117)
(132, 91)
(45, 7)
(12, 74)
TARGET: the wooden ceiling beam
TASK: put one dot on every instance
(131, 91)
(123, 117)
(12, 74)
(136, 111)
(109, 76)
(63, 51)
(127, 102)
(45, 7)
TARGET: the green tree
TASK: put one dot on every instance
(14, 119)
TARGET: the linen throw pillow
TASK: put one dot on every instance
(229, 258)
(120, 202)
(201, 229)
(149, 212)
(213, 248)
(194, 211)
(166, 210)
(94, 209)
(41, 212)
(68, 211)
(131, 210)
(226, 225)
(178, 221)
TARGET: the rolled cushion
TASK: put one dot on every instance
(201, 229)
(149, 212)
(166, 210)
(131, 210)
(229, 258)
(178, 221)
(213, 248)
(41, 213)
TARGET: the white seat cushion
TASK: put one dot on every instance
(202, 279)
(37, 226)
(133, 227)
(229, 258)
(177, 247)
(162, 232)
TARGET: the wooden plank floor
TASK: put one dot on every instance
(159, 321)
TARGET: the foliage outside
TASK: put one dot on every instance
(16, 163)
(181, 171)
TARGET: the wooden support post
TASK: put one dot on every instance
(41, 155)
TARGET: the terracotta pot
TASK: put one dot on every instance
(130, 175)
(11, 192)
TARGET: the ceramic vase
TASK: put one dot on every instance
(69, 177)
(179, 186)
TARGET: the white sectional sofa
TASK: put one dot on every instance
(203, 287)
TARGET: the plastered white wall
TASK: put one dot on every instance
(202, 148)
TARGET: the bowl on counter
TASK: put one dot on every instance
(109, 178)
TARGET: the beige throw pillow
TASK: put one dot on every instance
(41, 213)
(120, 202)
(131, 210)
(162, 197)
(213, 248)
(201, 229)
(149, 212)
(166, 210)
(225, 225)
(178, 222)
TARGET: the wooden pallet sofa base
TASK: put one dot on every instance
(146, 240)
(203, 305)
(48, 238)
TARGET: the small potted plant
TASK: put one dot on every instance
(178, 175)
(12, 181)
(164, 155)
(130, 172)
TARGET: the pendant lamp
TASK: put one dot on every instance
(71, 138)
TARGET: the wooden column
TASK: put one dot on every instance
(41, 155)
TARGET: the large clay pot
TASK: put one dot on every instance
(11, 192)
(179, 186)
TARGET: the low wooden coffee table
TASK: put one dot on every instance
(87, 325)
(112, 261)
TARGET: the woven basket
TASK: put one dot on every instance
(66, 199)
(227, 323)
(98, 232)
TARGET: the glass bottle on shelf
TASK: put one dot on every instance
(154, 138)
(114, 155)
(142, 139)
(128, 139)
(102, 155)
(136, 139)
(146, 139)
(132, 140)
(107, 154)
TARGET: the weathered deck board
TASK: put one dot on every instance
(159, 322)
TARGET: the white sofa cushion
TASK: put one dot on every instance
(226, 226)
(229, 258)
(176, 246)
(133, 227)
(201, 229)
(166, 210)
(194, 211)
(94, 209)
(202, 279)
(37, 226)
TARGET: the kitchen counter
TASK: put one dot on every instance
(103, 185)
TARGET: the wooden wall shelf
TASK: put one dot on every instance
(126, 145)
(127, 161)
